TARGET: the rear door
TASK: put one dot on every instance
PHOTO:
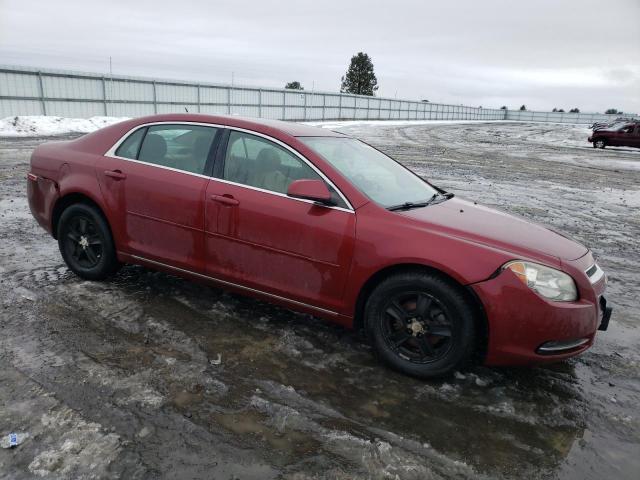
(259, 237)
(154, 185)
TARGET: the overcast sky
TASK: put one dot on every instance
(543, 53)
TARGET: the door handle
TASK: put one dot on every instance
(229, 201)
(115, 174)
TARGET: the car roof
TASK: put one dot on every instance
(257, 124)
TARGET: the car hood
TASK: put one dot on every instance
(491, 227)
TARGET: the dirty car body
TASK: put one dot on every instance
(280, 211)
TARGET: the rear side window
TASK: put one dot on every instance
(183, 147)
(131, 146)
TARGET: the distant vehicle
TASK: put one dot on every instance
(322, 223)
(616, 135)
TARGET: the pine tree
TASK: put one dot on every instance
(294, 86)
(503, 107)
(360, 78)
(574, 110)
(523, 107)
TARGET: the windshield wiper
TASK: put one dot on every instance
(426, 203)
(409, 205)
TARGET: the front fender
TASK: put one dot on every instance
(386, 242)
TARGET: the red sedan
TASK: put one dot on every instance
(322, 223)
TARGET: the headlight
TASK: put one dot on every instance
(548, 282)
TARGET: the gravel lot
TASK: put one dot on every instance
(152, 376)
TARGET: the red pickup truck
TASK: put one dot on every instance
(617, 135)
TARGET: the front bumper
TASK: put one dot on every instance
(527, 329)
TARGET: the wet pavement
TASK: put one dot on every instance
(152, 376)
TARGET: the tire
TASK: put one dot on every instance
(599, 143)
(421, 324)
(85, 242)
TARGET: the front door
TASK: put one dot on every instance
(259, 237)
(155, 187)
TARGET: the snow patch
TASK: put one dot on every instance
(39, 125)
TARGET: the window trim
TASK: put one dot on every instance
(222, 142)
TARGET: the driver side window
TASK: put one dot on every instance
(257, 162)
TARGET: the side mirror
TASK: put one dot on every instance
(315, 190)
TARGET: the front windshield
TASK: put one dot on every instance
(379, 177)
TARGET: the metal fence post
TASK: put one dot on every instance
(340, 107)
(42, 102)
(229, 100)
(324, 104)
(198, 87)
(304, 113)
(260, 103)
(284, 105)
(104, 96)
(155, 98)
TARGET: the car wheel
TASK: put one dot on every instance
(599, 143)
(85, 242)
(421, 324)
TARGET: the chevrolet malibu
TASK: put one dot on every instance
(322, 223)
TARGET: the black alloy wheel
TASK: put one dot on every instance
(422, 323)
(417, 327)
(85, 242)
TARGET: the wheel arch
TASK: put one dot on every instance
(375, 279)
(69, 199)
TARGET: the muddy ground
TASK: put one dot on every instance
(152, 376)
